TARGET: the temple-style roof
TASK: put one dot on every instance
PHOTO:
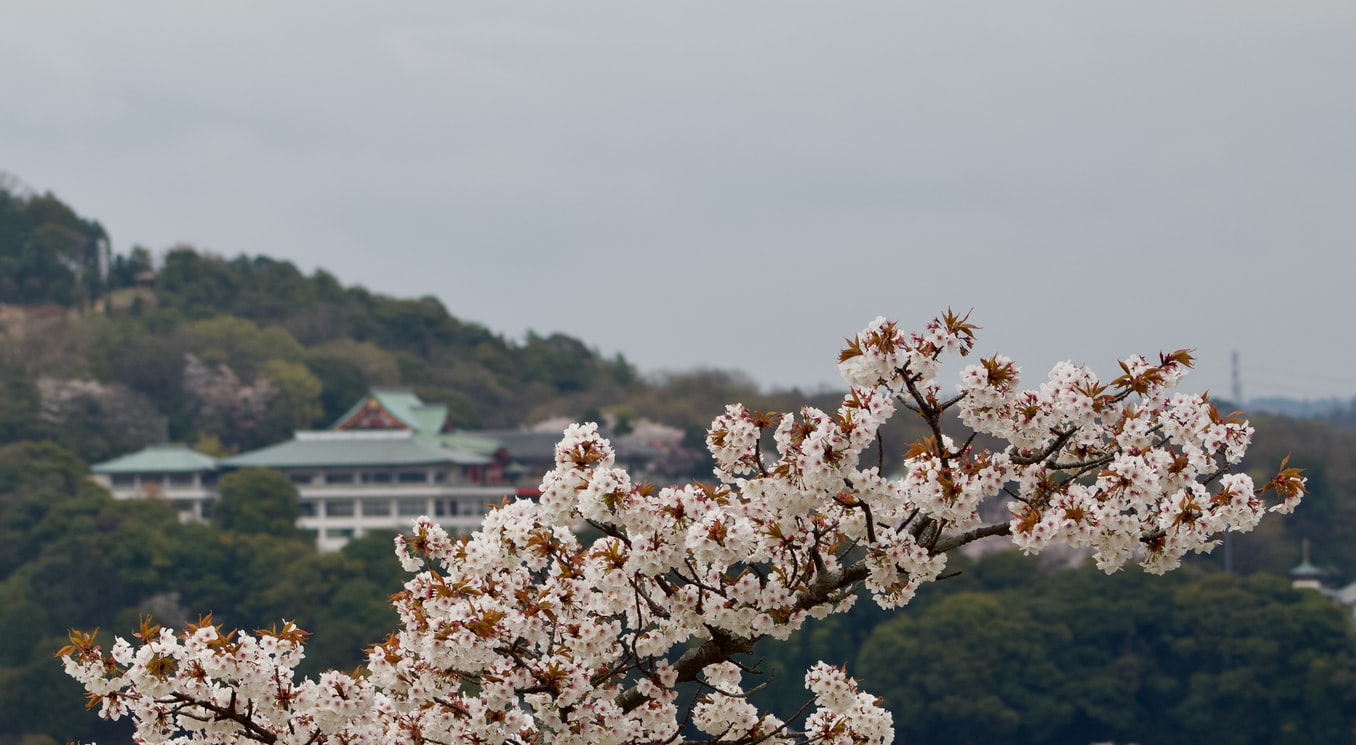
(158, 459)
(1306, 570)
(394, 408)
(353, 448)
(401, 410)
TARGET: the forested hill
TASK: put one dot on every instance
(104, 353)
(228, 354)
(48, 254)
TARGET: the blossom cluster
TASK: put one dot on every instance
(1125, 467)
(528, 632)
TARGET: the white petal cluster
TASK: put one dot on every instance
(522, 633)
(845, 715)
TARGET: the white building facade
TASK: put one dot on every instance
(390, 459)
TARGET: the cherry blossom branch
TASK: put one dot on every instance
(520, 633)
(953, 542)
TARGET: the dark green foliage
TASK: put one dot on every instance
(153, 365)
(20, 404)
(48, 254)
(972, 668)
(561, 361)
(1008, 653)
(342, 384)
(195, 285)
(72, 557)
(124, 270)
(1271, 661)
(270, 290)
(416, 326)
(257, 500)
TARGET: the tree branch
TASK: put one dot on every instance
(720, 647)
(249, 728)
(952, 542)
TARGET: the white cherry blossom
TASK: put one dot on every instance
(523, 633)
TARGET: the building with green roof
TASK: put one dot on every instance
(384, 463)
(389, 459)
(351, 482)
(185, 478)
(394, 408)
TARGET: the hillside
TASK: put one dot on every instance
(231, 353)
(101, 354)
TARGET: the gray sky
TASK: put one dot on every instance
(739, 184)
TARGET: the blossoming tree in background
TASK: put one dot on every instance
(520, 633)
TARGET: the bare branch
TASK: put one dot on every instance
(951, 542)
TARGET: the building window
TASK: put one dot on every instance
(440, 476)
(376, 508)
(412, 477)
(412, 507)
(300, 478)
(376, 477)
(339, 477)
(338, 533)
(339, 508)
(123, 479)
(152, 478)
(307, 507)
(181, 479)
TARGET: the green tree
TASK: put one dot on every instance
(240, 344)
(297, 404)
(70, 556)
(341, 384)
(970, 669)
(269, 290)
(257, 500)
(412, 325)
(1270, 660)
(561, 361)
(20, 404)
(378, 366)
(48, 253)
(196, 285)
(124, 270)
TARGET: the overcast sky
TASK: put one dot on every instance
(739, 184)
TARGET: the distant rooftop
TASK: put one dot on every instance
(170, 458)
(393, 408)
(354, 448)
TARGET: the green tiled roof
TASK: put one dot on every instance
(159, 459)
(353, 448)
(404, 405)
